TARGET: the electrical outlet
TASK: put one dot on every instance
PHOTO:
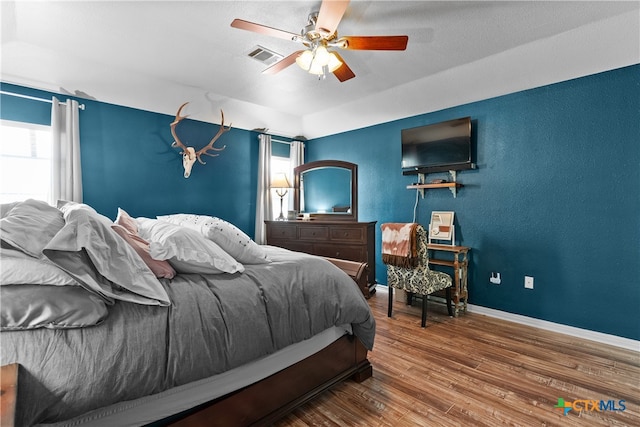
(528, 282)
(495, 278)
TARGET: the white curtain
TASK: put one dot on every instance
(296, 157)
(65, 129)
(263, 199)
(296, 154)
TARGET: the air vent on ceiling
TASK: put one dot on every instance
(264, 55)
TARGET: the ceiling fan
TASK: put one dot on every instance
(320, 37)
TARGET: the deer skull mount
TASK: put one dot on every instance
(189, 154)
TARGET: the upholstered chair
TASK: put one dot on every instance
(419, 279)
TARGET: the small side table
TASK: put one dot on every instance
(8, 394)
(459, 263)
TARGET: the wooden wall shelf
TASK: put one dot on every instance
(453, 185)
(441, 185)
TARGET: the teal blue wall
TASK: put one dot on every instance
(128, 161)
(556, 196)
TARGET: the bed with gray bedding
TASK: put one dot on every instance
(91, 324)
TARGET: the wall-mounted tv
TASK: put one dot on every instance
(438, 147)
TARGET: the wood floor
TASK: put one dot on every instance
(475, 370)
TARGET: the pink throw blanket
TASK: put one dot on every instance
(399, 244)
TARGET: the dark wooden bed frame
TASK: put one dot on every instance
(266, 401)
(259, 404)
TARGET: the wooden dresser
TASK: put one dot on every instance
(353, 241)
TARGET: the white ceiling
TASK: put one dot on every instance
(155, 55)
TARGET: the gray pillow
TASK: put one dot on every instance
(6, 207)
(18, 268)
(30, 225)
(53, 307)
(90, 251)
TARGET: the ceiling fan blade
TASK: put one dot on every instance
(282, 64)
(331, 12)
(375, 42)
(343, 73)
(263, 29)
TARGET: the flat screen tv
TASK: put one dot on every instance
(438, 147)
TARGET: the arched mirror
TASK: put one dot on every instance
(327, 190)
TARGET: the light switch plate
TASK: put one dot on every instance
(528, 282)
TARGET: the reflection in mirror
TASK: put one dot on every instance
(325, 190)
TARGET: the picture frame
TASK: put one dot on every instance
(441, 226)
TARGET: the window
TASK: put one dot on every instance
(25, 161)
(281, 164)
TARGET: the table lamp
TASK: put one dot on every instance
(281, 184)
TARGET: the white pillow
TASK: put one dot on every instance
(185, 249)
(230, 238)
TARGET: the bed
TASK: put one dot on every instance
(175, 320)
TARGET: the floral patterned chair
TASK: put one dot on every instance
(419, 279)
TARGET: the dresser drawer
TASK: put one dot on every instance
(293, 245)
(348, 234)
(351, 253)
(281, 232)
(314, 233)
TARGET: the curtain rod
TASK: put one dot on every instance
(18, 95)
(285, 142)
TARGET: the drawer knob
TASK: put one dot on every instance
(337, 253)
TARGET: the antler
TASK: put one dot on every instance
(210, 146)
(178, 119)
(189, 154)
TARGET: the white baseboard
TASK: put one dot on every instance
(586, 334)
(600, 337)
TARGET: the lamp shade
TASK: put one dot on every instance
(334, 62)
(304, 60)
(280, 180)
(315, 61)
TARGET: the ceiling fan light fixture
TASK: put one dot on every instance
(320, 33)
(321, 56)
(334, 62)
(304, 60)
(316, 69)
(315, 61)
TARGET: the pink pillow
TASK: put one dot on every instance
(123, 219)
(127, 228)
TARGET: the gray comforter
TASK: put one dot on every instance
(214, 323)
